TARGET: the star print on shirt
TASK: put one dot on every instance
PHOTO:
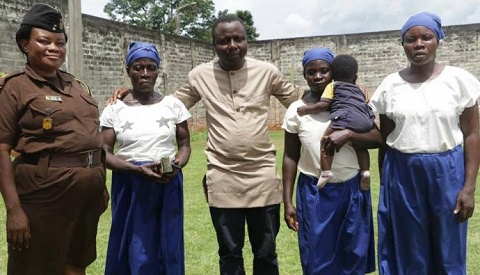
(127, 126)
(161, 123)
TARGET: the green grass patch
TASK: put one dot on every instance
(200, 242)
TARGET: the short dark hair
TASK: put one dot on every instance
(23, 33)
(344, 68)
(227, 18)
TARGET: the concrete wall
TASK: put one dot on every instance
(105, 44)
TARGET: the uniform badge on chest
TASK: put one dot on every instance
(47, 123)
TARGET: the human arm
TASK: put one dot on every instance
(367, 140)
(115, 163)
(323, 105)
(183, 152)
(320, 106)
(291, 155)
(18, 228)
(386, 127)
(284, 91)
(188, 94)
(119, 93)
(183, 149)
(465, 199)
(183, 144)
(364, 91)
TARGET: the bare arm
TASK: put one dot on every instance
(386, 127)
(115, 163)
(182, 135)
(364, 91)
(321, 106)
(18, 228)
(367, 140)
(183, 144)
(291, 156)
(119, 93)
(465, 199)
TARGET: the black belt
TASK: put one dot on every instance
(87, 159)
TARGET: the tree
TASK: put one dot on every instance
(194, 20)
(247, 18)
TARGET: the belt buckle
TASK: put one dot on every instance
(89, 160)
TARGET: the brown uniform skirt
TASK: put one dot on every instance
(63, 205)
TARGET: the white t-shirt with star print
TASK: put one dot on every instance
(145, 132)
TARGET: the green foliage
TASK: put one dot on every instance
(247, 18)
(195, 17)
(2, 74)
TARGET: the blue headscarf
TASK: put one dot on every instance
(426, 19)
(138, 50)
(317, 54)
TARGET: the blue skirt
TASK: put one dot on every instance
(335, 233)
(146, 236)
(417, 230)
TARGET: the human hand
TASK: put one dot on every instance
(465, 205)
(18, 229)
(301, 111)
(155, 171)
(290, 216)
(176, 165)
(333, 142)
(364, 91)
(119, 93)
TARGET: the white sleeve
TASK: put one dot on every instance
(106, 118)
(180, 110)
(377, 101)
(290, 120)
(470, 90)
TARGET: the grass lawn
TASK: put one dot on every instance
(200, 242)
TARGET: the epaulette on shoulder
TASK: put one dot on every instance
(82, 84)
(6, 77)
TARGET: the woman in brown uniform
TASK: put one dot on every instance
(55, 191)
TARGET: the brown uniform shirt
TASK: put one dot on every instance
(241, 165)
(28, 103)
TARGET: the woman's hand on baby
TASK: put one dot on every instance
(333, 142)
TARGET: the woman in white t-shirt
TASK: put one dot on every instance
(334, 224)
(427, 112)
(146, 235)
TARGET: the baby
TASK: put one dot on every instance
(348, 110)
